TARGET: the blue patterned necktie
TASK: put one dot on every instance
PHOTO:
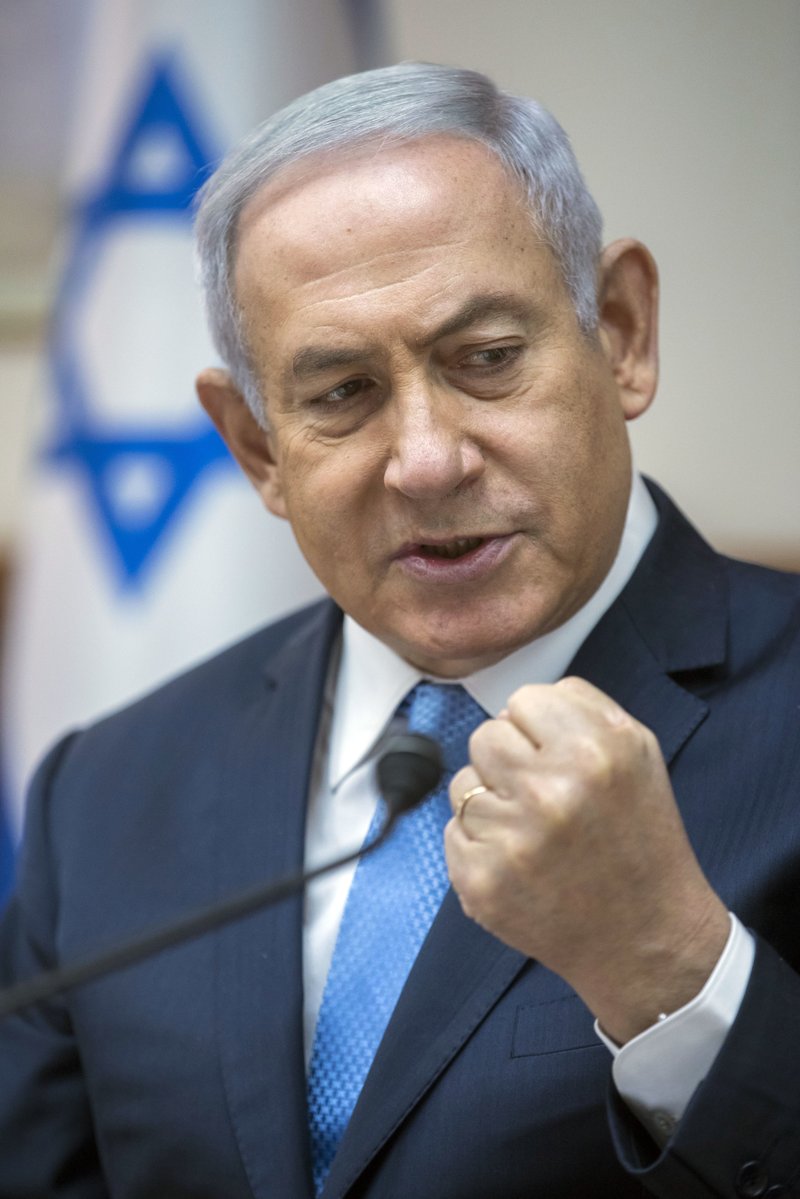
(393, 898)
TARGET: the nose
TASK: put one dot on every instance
(432, 452)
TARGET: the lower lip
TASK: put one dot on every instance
(469, 568)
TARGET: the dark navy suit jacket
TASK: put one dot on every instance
(183, 1076)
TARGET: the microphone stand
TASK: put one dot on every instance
(407, 772)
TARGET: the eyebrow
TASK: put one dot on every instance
(479, 308)
(315, 360)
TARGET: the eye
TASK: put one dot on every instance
(492, 358)
(343, 409)
(351, 389)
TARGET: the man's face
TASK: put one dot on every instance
(447, 444)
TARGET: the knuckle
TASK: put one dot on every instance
(521, 699)
(479, 739)
(595, 760)
(573, 682)
(639, 743)
(459, 782)
(549, 796)
(557, 799)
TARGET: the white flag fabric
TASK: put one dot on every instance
(144, 549)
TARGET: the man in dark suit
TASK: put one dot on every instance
(430, 369)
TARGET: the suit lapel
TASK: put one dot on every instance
(671, 619)
(625, 669)
(664, 634)
(263, 790)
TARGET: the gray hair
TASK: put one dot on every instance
(399, 103)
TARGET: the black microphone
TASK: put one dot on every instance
(407, 771)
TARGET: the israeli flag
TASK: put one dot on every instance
(144, 549)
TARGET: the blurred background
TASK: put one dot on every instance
(128, 545)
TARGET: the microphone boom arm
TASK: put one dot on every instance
(407, 771)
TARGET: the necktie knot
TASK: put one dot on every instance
(446, 712)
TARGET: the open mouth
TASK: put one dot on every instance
(459, 560)
(451, 549)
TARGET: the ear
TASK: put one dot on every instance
(251, 445)
(628, 321)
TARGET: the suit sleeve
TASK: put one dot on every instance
(740, 1135)
(47, 1144)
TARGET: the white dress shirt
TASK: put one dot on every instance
(655, 1073)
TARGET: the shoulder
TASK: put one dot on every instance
(764, 645)
(726, 630)
(194, 711)
(242, 667)
(762, 605)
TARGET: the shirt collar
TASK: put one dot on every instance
(372, 679)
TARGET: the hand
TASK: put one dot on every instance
(577, 856)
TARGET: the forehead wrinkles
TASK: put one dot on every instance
(436, 192)
(411, 292)
(349, 254)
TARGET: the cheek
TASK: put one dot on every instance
(570, 455)
(551, 439)
(586, 431)
(324, 489)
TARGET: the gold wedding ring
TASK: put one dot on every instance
(466, 797)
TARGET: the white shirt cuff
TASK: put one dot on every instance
(658, 1071)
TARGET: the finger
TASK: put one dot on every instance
(593, 698)
(462, 781)
(476, 795)
(474, 866)
(499, 750)
(477, 811)
(547, 715)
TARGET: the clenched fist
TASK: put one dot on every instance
(576, 855)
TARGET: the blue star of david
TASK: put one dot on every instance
(100, 453)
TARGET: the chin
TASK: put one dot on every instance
(457, 657)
